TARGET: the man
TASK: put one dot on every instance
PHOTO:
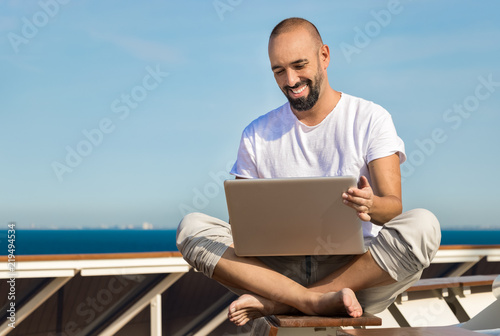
(319, 132)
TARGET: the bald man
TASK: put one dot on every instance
(318, 132)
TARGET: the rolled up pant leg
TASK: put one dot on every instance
(202, 240)
(403, 248)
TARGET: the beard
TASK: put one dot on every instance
(308, 102)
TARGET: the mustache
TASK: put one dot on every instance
(296, 86)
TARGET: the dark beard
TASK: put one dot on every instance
(305, 103)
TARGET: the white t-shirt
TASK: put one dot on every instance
(356, 132)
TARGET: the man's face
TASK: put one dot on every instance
(306, 102)
(295, 62)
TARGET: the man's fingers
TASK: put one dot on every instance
(364, 216)
(363, 182)
(361, 210)
(358, 201)
(366, 194)
(360, 204)
(356, 206)
(361, 198)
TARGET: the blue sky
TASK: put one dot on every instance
(118, 113)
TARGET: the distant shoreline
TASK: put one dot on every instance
(82, 241)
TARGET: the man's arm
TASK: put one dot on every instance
(380, 202)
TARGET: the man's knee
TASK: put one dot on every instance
(425, 217)
(420, 230)
(407, 244)
(430, 231)
(186, 229)
(202, 240)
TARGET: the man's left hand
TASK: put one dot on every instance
(360, 199)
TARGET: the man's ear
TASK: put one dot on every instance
(324, 56)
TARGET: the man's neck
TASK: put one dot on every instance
(325, 104)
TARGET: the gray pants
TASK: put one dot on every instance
(403, 248)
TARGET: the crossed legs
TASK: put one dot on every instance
(274, 293)
(395, 260)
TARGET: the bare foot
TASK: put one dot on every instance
(343, 301)
(252, 306)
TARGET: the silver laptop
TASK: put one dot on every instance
(293, 216)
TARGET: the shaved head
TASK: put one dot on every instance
(299, 61)
(294, 24)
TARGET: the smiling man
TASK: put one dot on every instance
(303, 85)
(319, 132)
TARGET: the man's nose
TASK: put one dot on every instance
(291, 78)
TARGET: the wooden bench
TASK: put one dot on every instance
(443, 301)
(452, 282)
(422, 331)
(283, 325)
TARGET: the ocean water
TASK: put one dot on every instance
(31, 242)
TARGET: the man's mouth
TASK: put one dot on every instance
(298, 90)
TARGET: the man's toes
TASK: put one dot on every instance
(240, 321)
(357, 313)
(351, 303)
(238, 313)
(233, 307)
(235, 310)
(353, 311)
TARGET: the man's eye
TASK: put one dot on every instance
(279, 72)
(300, 66)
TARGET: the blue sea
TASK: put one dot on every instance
(31, 242)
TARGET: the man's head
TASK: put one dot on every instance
(299, 60)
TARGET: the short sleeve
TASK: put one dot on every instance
(384, 140)
(245, 165)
